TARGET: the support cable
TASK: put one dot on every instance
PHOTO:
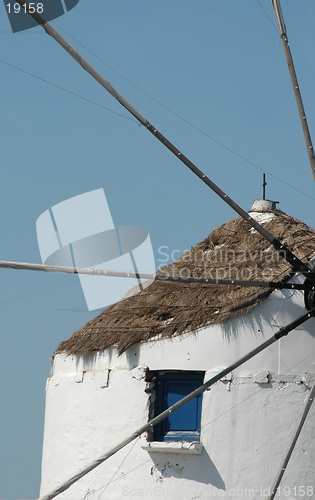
(295, 84)
(278, 335)
(72, 93)
(158, 277)
(294, 261)
(161, 104)
(292, 444)
(310, 12)
(267, 15)
(216, 141)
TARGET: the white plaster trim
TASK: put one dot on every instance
(173, 447)
(79, 377)
(261, 218)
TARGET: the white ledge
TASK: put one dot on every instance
(174, 447)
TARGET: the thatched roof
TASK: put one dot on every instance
(166, 309)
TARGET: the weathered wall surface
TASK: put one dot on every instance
(245, 431)
(247, 422)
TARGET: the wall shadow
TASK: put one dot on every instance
(198, 468)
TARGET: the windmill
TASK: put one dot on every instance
(298, 265)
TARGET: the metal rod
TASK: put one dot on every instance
(158, 277)
(278, 335)
(264, 186)
(292, 444)
(294, 261)
(295, 85)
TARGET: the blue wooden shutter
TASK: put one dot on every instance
(184, 423)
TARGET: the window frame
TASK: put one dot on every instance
(182, 378)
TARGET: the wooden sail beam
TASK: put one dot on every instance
(295, 85)
(26, 266)
(294, 261)
(278, 335)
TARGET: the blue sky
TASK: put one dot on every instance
(221, 67)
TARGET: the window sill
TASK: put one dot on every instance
(173, 447)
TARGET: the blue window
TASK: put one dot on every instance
(184, 423)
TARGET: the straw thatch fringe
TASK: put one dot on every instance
(166, 309)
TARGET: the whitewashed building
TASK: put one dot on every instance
(147, 351)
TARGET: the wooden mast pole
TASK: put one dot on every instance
(92, 271)
(295, 85)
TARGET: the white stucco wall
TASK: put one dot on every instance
(92, 403)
